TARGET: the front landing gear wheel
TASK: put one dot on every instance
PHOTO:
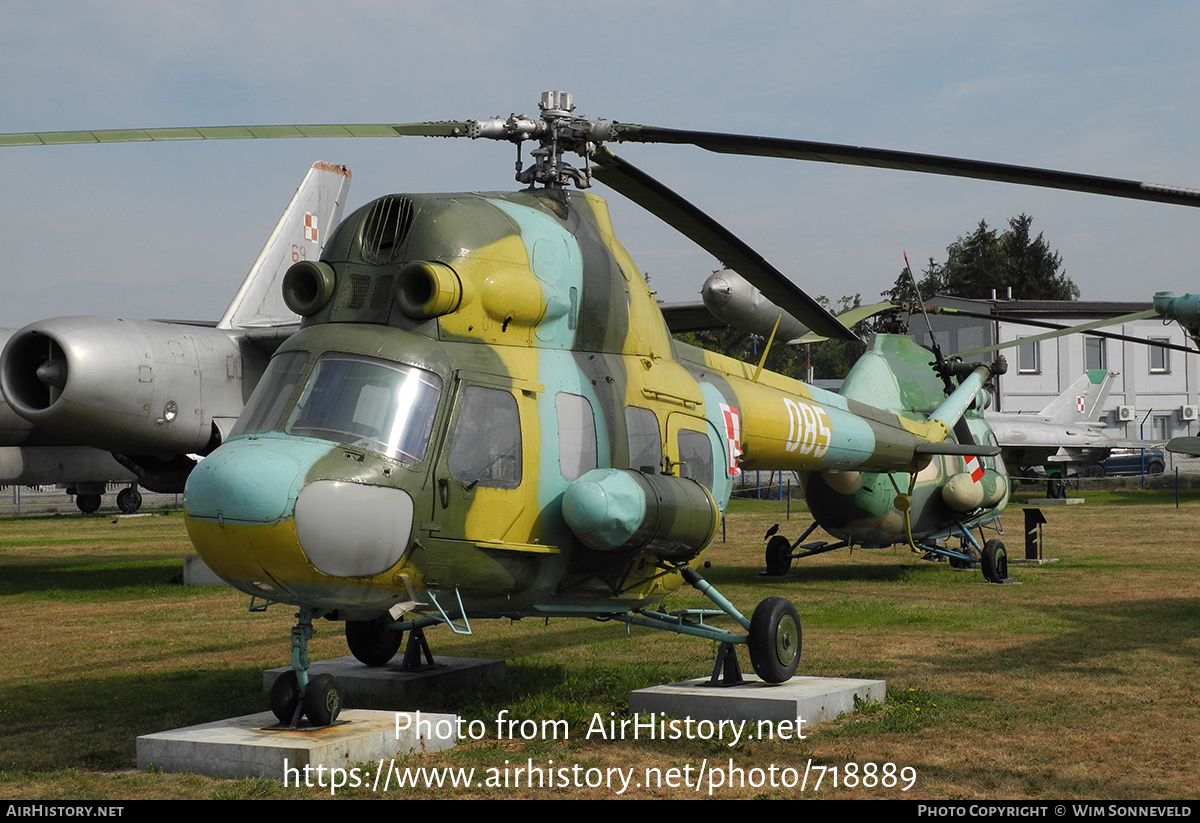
(87, 503)
(285, 694)
(775, 640)
(322, 700)
(373, 642)
(995, 562)
(779, 556)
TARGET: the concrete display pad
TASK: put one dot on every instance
(390, 683)
(815, 699)
(256, 746)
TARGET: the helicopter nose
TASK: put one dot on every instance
(253, 513)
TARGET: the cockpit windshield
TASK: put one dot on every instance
(386, 407)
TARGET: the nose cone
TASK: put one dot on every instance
(250, 481)
(259, 522)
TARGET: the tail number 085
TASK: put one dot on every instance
(808, 428)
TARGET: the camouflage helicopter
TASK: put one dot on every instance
(483, 414)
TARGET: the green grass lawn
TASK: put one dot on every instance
(1081, 682)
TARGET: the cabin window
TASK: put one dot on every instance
(385, 407)
(1160, 357)
(645, 444)
(486, 450)
(576, 435)
(696, 454)
(272, 394)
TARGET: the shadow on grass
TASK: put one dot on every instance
(81, 575)
(93, 723)
(903, 570)
(1102, 630)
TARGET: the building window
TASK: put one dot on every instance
(1093, 353)
(1160, 356)
(1160, 427)
(1029, 358)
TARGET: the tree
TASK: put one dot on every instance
(983, 261)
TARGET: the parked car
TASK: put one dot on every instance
(1129, 461)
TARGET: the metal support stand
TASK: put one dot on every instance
(417, 647)
(727, 671)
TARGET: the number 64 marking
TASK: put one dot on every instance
(808, 428)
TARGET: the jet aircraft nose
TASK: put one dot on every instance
(264, 519)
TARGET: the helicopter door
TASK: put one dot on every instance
(481, 477)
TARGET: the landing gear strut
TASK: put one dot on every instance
(295, 694)
(773, 633)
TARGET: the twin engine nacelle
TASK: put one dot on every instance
(126, 386)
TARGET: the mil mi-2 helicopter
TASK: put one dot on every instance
(484, 416)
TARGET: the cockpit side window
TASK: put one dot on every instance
(486, 448)
(385, 407)
(272, 394)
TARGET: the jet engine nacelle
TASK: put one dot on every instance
(734, 301)
(126, 386)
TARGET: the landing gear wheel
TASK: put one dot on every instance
(775, 640)
(995, 562)
(285, 694)
(129, 500)
(969, 551)
(373, 642)
(1056, 488)
(87, 503)
(322, 700)
(779, 556)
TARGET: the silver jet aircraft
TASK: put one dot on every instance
(98, 400)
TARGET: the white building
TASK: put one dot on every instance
(1156, 394)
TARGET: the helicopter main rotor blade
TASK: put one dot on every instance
(714, 238)
(1083, 327)
(62, 138)
(908, 161)
(1042, 324)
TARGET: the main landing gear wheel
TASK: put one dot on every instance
(129, 500)
(779, 556)
(87, 503)
(969, 551)
(285, 694)
(373, 642)
(322, 700)
(775, 640)
(995, 562)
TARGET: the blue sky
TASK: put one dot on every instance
(168, 230)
